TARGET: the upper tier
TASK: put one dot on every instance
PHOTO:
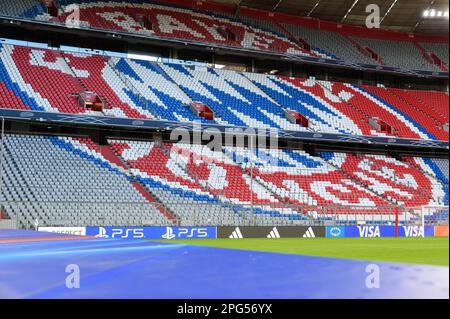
(50, 80)
(242, 32)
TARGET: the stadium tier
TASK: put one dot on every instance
(54, 81)
(237, 31)
(406, 55)
(76, 182)
(67, 181)
(440, 50)
(395, 180)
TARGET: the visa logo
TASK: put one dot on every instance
(369, 231)
(414, 231)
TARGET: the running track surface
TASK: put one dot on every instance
(111, 268)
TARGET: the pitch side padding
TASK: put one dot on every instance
(271, 232)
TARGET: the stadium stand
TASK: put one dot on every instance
(237, 31)
(89, 190)
(262, 24)
(402, 54)
(396, 181)
(199, 185)
(331, 45)
(122, 84)
(81, 181)
(443, 167)
(403, 103)
(304, 180)
(136, 183)
(230, 95)
(433, 167)
(347, 107)
(429, 102)
(22, 8)
(439, 49)
(180, 23)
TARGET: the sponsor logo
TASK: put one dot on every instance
(152, 232)
(169, 234)
(369, 231)
(124, 233)
(309, 233)
(185, 233)
(128, 233)
(236, 234)
(271, 232)
(335, 232)
(274, 233)
(192, 233)
(74, 231)
(414, 231)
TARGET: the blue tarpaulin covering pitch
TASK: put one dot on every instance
(114, 268)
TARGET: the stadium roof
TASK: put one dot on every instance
(399, 15)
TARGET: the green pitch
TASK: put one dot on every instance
(431, 250)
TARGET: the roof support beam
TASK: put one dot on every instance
(388, 11)
(421, 16)
(277, 5)
(314, 8)
(238, 7)
(349, 10)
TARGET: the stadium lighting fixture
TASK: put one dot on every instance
(433, 13)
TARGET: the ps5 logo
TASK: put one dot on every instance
(153, 232)
(185, 233)
(124, 233)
